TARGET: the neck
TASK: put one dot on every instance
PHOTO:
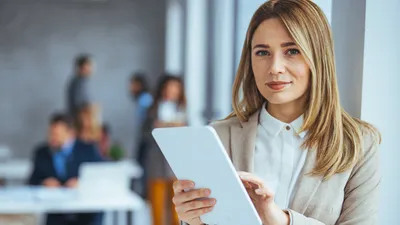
(137, 95)
(287, 112)
(78, 74)
(68, 140)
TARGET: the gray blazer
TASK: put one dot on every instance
(349, 198)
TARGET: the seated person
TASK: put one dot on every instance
(105, 141)
(57, 162)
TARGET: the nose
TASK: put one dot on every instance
(277, 65)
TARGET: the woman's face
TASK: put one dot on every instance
(172, 91)
(280, 71)
(86, 119)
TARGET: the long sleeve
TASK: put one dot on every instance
(96, 157)
(38, 175)
(361, 203)
(78, 94)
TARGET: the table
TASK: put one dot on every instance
(39, 200)
(20, 169)
(132, 167)
(15, 169)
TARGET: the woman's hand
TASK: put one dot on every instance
(192, 204)
(263, 200)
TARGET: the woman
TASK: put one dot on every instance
(168, 110)
(308, 162)
(89, 124)
(169, 107)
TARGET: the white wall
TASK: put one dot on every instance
(348, 23)
(381, 96)
(196, 63)
(245, 11)
(174, 37)
(224, 62)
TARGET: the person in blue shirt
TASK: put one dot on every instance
(139, 91)
(56, 164)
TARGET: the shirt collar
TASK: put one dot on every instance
(68, 146)
(296, 125)
(274, 126)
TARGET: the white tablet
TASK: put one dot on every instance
(197, 154)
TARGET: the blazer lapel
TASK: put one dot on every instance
(72, 160)
(307, 184)
(50, 161)
(243, 139)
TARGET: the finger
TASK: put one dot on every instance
(196, 204)
(252, 179)
(250, 193)
(199, 212)
(262, 195)
(264, 192)
(191, 195)
(181, 185)
(250, 185)
(243, 173)
(246, 184)
(255, 197)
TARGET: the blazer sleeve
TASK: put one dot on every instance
(95, 154)
(361, 202)
(37, 175)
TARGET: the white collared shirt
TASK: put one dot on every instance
(278, 157)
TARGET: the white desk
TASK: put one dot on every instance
(132, 167)
(15, 169)
(40, 200)
(20, 169)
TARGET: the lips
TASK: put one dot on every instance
(278, 85)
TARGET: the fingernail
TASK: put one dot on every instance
(207, 192)
(191, 185)
(212, 201)
(258, 191)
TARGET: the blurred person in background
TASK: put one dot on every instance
(169, 107)
(56, 164)
(110, 149)
(105, 141)
(139, 91)
(78, 92)
(168, 110)
(89, 128)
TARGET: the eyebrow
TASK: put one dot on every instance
(286, 44)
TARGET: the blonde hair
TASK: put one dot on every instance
(93, 131)
(330, 129)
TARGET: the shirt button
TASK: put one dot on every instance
(287, 128)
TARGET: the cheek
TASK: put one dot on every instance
(260, 71)
(301, 78)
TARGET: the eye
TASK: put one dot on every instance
(262, 53)
(293, 52)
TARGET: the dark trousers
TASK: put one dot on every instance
(142, 157)
(74, 219)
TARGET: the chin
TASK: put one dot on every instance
(279, 99)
